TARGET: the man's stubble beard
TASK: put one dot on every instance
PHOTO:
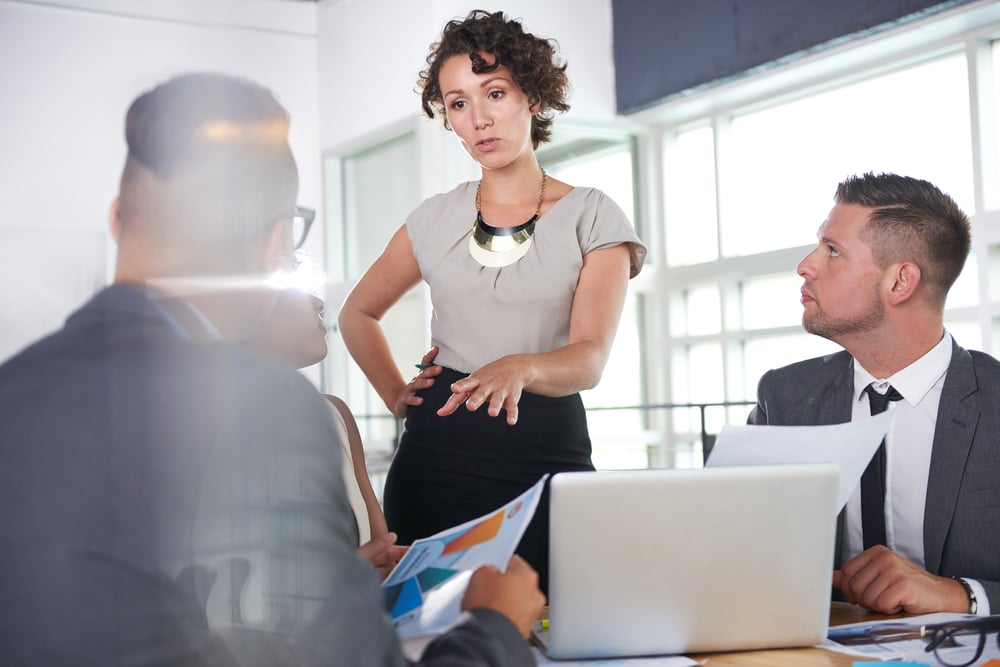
(820, 325)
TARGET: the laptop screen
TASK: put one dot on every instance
(653, 562)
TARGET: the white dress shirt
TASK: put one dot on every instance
(908, 447)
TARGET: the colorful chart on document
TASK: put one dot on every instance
(431, 562)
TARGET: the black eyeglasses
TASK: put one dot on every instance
(301, 223)
(947, 640)
(302, 220)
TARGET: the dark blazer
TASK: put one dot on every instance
(962, 515)
(164, 501)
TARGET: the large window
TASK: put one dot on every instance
(745, 188)
(778, 166)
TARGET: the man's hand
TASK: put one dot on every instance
(382, 553)
(884, 581)
(513, 593)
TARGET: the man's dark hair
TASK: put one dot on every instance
(911, 219)
(217, 149)
(530, 59)
(166, 126)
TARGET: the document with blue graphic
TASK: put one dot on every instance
(423, 593)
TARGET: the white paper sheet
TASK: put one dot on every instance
(850, 445)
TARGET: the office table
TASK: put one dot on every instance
(840, 614)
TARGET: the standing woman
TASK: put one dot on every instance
(527, 276)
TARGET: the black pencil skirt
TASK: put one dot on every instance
(448, 470)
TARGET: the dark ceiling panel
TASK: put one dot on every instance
(663, 47)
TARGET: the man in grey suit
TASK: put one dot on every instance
(927, 540)
(167, 497)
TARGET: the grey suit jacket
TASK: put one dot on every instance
(962, 514)
(168, 502)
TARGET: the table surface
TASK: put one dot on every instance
(841, 613)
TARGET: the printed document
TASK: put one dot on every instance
(423, 593)
(902, 639)
(850, 445)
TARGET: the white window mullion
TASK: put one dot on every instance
(985, 171)
(654, 150)
(720, 130)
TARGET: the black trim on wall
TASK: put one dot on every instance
(665, 47)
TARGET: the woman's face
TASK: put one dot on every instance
(488, 112)
(294, 333)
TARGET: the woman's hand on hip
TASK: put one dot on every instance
(422, 380)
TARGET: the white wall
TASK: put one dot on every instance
(345, 69)
(370, 52)
(68, 70)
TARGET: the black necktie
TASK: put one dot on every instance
(873, 479)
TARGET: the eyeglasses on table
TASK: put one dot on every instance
(971, 634)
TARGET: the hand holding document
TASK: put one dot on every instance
(423, 593)
(850, 445)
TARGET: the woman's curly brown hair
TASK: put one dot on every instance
(530, 59)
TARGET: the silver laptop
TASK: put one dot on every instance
(651, 562)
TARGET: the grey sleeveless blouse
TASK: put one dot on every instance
(481, 314)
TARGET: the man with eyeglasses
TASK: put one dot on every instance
(922, 532)
(167, 497)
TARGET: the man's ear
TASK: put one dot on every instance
(114, 220)
(905, 278)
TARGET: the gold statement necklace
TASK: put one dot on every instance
(500, 246)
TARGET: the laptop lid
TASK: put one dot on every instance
(653, 562)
